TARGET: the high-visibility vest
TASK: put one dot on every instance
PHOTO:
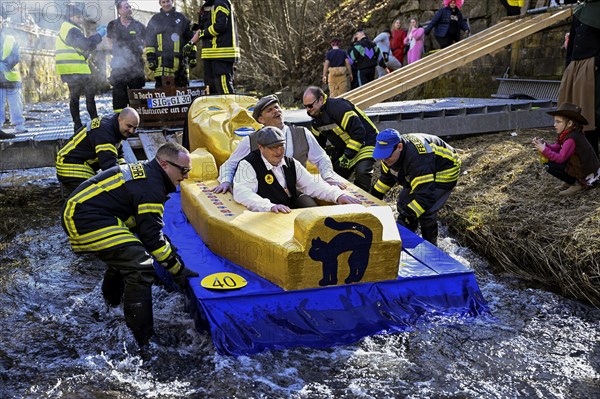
(69, 60)
(13, 75)
(516, 3)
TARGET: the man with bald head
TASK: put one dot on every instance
(94, 147)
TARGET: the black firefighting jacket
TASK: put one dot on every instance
(426, 163)
(104, 210)
(166, 34)
(96, 146)
(346, 127)
(218, 31)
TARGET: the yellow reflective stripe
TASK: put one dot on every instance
(108, 184)
(346, 118)
(106, 147)
(151, 208)
(314, 131)
(366, 118)
(121, 161)
(341, 133)
(163, 252)
(149, 50)
(101, 234)
(224, 84)
(381, 187)
(416, 208)
(365, 152)
(353, 145)
(75, 170)
(71, 144)
(130, 222)
(421, 180)
(221, 52)
(384, 167)
(159, 42)
(448, 175)
(105, 244)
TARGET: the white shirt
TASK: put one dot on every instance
(245, 185)
(316, 155)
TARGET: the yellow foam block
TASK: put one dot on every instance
(303, 249)
(213, 120)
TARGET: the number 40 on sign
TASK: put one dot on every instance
(223, 281)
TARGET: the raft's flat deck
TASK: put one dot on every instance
(262, 316)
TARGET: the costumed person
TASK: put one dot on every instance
(220, 45)
(571, 159)
(72, 51)
(365, 56)
(580, 82)
(448, 22)
(426, 167)
(348, 129)
(336, 70)
(397, 40)
(166, 35)
(10, 81)
(300, 144)
(126, 37)
(415, 41)
(382, 41)
(266, 180)
(94, 147)
(118, 217)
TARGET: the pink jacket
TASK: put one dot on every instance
(416, 43)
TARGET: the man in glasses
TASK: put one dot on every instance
(266, 180)
(348, 129)
(117, 215)
(299, 144)
(93, 147)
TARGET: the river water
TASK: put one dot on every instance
(58, 340)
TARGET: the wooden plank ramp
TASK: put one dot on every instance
(505, 32)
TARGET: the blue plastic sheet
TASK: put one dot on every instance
(262, 316)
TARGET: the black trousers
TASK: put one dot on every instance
(81, 85)
(120, 85)
(558, 170)
(218, 75)
(130, 274)
(363, 173)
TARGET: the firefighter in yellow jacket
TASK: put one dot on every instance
(118, 216)
(72, 50)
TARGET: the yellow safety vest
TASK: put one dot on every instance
(69, 60)
(516, 3)
(13, 75)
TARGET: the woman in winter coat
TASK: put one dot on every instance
(415, 41)
(448, 22)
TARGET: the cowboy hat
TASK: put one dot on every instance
(570, 111)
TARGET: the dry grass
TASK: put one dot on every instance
(507, 208)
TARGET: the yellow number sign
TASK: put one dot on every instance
(223, 281)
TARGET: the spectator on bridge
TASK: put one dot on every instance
(581, 79)
(415, 41)
(126, 35)
(10, 81)
(448, 22)
(571, 159)
(365, 55)
(72, 52)
(397, 40)
(382, 41)
(336, 69)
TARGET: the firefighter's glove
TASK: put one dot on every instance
(344, 162)
(179, 272)
(101, 30)
(408, 220)
(152, 61)
(188, 48)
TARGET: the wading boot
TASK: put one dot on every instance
(112, 288)
(137, 306)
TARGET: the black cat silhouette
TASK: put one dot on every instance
(328, 252)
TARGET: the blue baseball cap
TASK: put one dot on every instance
(386, 141)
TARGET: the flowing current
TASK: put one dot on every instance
(59, 340)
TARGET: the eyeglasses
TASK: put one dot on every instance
(184, 170)
(309, 106)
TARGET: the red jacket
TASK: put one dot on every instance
(397, 43)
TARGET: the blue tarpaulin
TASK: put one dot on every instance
(262, 316)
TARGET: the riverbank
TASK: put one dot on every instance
(506, 207)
